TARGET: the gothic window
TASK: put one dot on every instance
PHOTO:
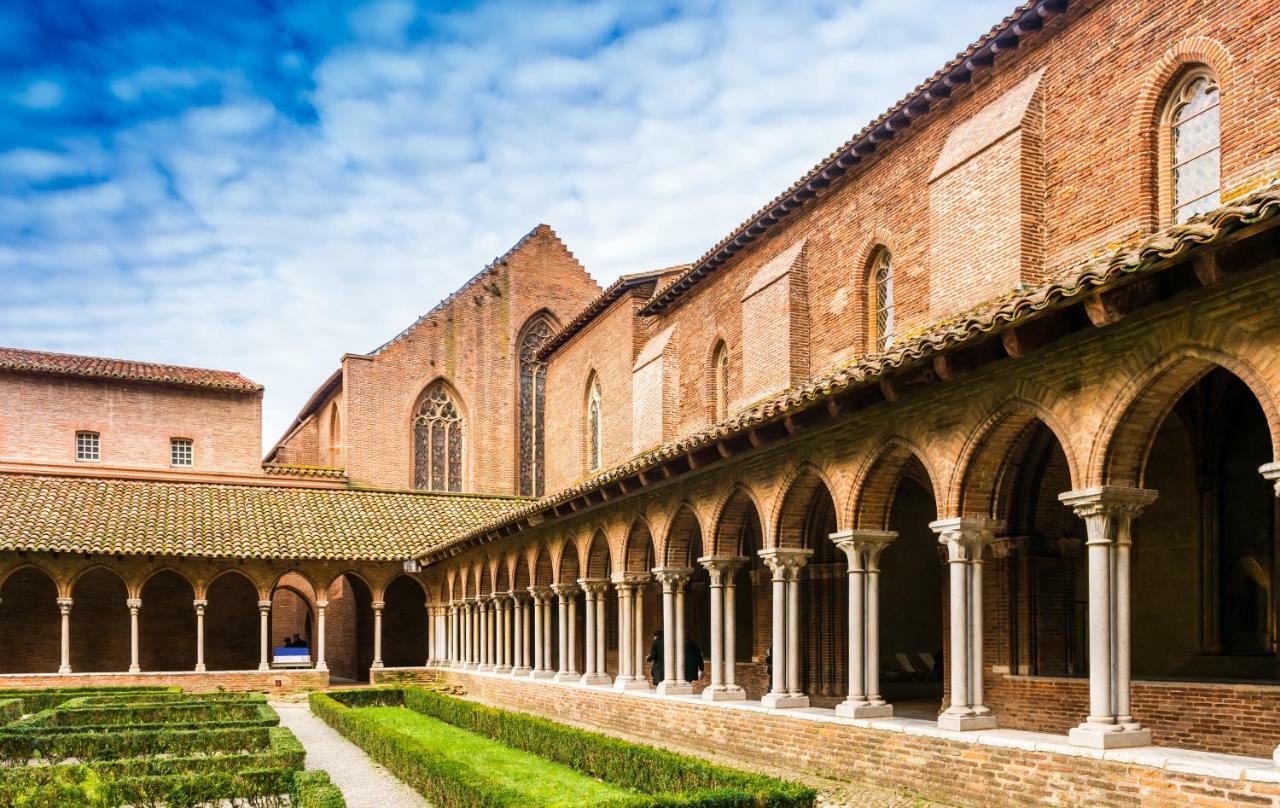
(882, 300)
(533, 382)
(593, 425)
(335, 436)
(437, 441)
(720, 380)
(1194, 140)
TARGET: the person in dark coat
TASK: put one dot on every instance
(656, 669)
(288, 641)
(298, 642)
(692, 660)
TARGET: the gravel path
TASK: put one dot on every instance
(364, 783)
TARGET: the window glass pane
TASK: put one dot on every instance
(1196, 136)
(1202, 205)
(437, 439)
(1195, 179)
(181, 452)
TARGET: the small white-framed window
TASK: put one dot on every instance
(88, 448)
(182, 452)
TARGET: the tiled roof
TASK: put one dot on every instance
(96, 367)
(1006, 35)
(77, 515)
(605, 299)
(1074, 282)
(299, 470)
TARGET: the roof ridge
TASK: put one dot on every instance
(33, 360)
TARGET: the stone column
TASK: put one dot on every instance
(201, 605)
(1271, 472)
(542, 662)
(134, 604)
(470, 617)
(625, 644)
(723, 653)
(862, 549)
(965, 539)
(520, 635)
(568, 613)
(506, 651)
(378, 606)
(641, 641)
(673, 580)
(1108, 513)
(785, 563)
(594, 672)
(264, 635)
(321, 606)
(64, 609)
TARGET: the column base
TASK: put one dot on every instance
(595, 679)
(484, 667)
(64, 669)
(1276, 756)
(502, 669)
(135, 669)
(724, 693)
(1109, 736)
(470, 666)
(630, 683)
(519, 671)
(566, 676)
(960, 722)
(671, 687)
(542, 674)
(784, 701)
(321, 667)
(864, 709)
(377, 665)
(201, 668)
(262, 666)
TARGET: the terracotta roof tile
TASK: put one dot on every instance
(603, 301)
(97, 367)
(1074, 282)
(299, 470)
(78, 515)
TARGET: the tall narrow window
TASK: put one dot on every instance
(882, 300)
(437, 441)
(533, 383)
(335, 436)
(1194, 140)
(720, 380)
(594, 438)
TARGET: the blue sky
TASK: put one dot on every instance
(263, 186)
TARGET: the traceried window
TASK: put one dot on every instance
(720, 380)
(882, 300)
(437, 441)
(1194, 140)
(594, 438)
(182, 452)
(87, 446)
(533, 383)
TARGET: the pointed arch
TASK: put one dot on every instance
(597, 562)
(594, 427)
(806, 492)
(871, 499)
(718, 377)
(438, 439)
(502, 573)
(637, 554)
(568, 569)
(683, 546)
(522, 575)
(543, 571)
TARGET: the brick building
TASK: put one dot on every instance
(962, 451)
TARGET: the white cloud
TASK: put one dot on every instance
(233, 236)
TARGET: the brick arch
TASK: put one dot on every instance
(457, 584)
(543, 572)
(1149, 108)
(871, 498)
(502, 577)
(59, 584)
(710, 380)
(874, 241)
(596, 560)
(100, 620)
(304, 576)
(802, 489)
(979, 485)
(638, 553)
(568, 568)
(375, 587)
(1124, 442)
(521, 576)
(75, 578)
(486, 572)
(683, 543)
(734, 512)
(29, 618)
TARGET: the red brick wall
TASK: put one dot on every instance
(135, 421)
(275, 682)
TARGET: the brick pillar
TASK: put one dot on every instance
(862, 549)
(1108, 514)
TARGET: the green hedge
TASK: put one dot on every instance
(10, 710)
(47, 722)
(141, 699)
(36, 699)
(175, 713)
(664, 778)
(18, 748)
(312, 789)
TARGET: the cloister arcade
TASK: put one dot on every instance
(925, 569)
(113, 614)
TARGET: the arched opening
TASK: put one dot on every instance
(1205, 553)
(335, 436)
(738, 532)
(532, 402)
(569, 574)
(594, 434)
(718, 373)
(231, 624)
(684, 548)
(438, 440)
(404, 623)
(349, 629)
(638, 559)
(167, 623)
(599, 567)
(99, 623)
(806, 521)
(30, 624)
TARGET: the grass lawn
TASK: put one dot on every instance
(544, 782)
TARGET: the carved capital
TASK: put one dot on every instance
(1108, 511)
(322, 604)
(264, 606)
(565, 591)
(64, 605)
(862, 548)
(966, 537)
(378, 605)
(672, 578)
(200, 604)
(134, 604)
(1271, 472)
(785, 562)
(594, 586)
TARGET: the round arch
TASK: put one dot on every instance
(99, 621)
(29, 620)
(167, 622)
(231, 622)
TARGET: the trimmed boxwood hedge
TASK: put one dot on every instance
(44, 722)
(663, 778)
(312, 789)
(10, 710)
(127, 742)
(37, 699)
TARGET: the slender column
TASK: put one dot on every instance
(526, 637)
(640, 641)
(500, 634)
(451, 633)
(625, 645)
(1271, 472)
(723, 654)
(520, 635)
(568, 613)
(134, 604)
(64, 608)
(1108, 513)
(321, 607)
(547, 635)
(201, 605)
(862, 549)
(542, 662)
(730, 634)
(378, 606)
(264, 634)
(594, 673)
(966, 538)
(673, 580)
(785, 563)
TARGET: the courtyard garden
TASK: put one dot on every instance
(151, 746)
(459, 753)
